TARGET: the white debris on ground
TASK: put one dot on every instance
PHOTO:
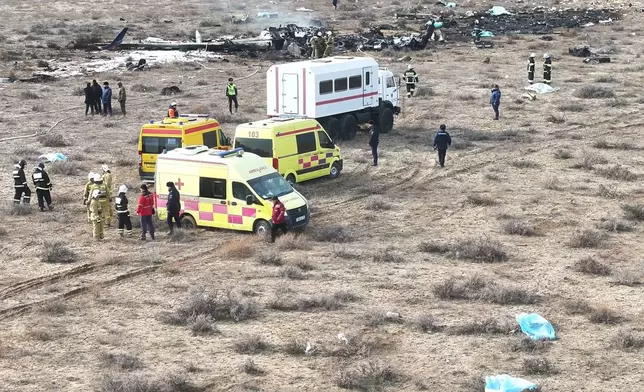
(79, 68)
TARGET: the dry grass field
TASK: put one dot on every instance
(538, 212)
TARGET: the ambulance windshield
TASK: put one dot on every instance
(270, 185)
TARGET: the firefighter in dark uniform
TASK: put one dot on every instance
(20, 183)
(43, 187)
(547, 69)
(122, 213)
(411, 78)
(531, 67)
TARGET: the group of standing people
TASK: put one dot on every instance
(98, 100)
(321, 46)
(547, 68)
(41, 182)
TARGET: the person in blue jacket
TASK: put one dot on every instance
(495, 100)
(107, 99)
(442, 141)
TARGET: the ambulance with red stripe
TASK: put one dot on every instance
(226, 190)
(298, 148)
(170, 133)
(339, 92)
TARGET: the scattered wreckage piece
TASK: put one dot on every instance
(597, 60)
(590, 57)
(172, 90)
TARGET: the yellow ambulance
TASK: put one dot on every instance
(299, 149)
(189, 129)
(226, 189)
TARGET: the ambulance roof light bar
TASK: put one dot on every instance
(222, 154)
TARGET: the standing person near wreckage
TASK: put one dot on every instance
(313, 43)
(531, 67)
(231, 93)
(547, 69)
(328, 50)
(411, 78)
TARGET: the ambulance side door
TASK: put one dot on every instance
(240, 215)
(307, 155)
(326, 150)
(213, 208)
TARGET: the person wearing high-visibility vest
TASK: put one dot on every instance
(231, 93)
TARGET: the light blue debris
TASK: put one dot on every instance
(437, 25)
(505, 383)
(264, 14)
(498, 10)
(483, 34)
(535, 326)
(451, 4)
(53, 157)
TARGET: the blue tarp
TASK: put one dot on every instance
(483, 34)
(535, 326)
(53, 157)
(498, 10)
(505, 383)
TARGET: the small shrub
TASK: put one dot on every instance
(173, 382)
(270, 258)
(57, 307)
(588, 161)
(627, 340)
(488, 326)
(459, 288)
(616, 225)
(218, 304)
(388, 256)
(552, 184)
(250, 367)
(538, 366)
(528, 345)
(139, 88)
(238, 248)
(202, 82)
(556, 118)
(296, 347)
(423, 91)
(509, 295)
(57, 252)
(604, 315)
(252, 344)
(518, 227)
(334, 234)
(617, 172)
(481, 250)
(608, 192)
(368, 376)
(594, 92)
(433, 247)
(427, 323)
(630, 277)
(121, 361)
(378, 204)
(591, 266)
(466, 97)
(292, 272)
(480, 200)
(29, 95)
(10, 208)
(563, 154)
(202, 324)
(37, 108)
(571, 107)
(578, 306)
(380, 317)
(633, 212)
(524, 164)
(290, 241)
(588, 238)
(304, 265)
(347, 254)
(52, 140)
(66, 168)
(605, 79)
(474, 384)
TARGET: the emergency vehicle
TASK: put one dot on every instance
(226, 190)
(299, 149)
(340, 92)
(170, 133)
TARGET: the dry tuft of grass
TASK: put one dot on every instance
(173, 382)
(378, 204)
(368, 376)
(553, 184)
(313, 302)
(538, 366)
(426, 323)
(57, 252)
(632, 276)
(57, 307)
(627, 340)
(250, 367)
(52, 140)
(202, 324)
(604, 315)
(616, 225)
(379, 317)
(578, 306)
(594, 92)
(556, 118)
(29, 95)
(291, 241)
(525, 344)
(591, 266)
(563, 154)
(473, 384)
(634, 212)
(433, 247)
(121, 361)
(525, 164)
(252, 344)
(67, 168)
(333, 234)
(292, 272)
(488, 326)
(481, 200)
(608, 192)
(588, 238)
(605, 145)
(270, 258)
(518, 227)
(216, 304)
(12, 209)
(297, 347)
(476, 288)
(481, 250)
(238, 248)
(388, 256)
(588, 161)
(617, 172)
(572, 107)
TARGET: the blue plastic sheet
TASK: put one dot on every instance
(498, 10)
(53, 157)
(535, 326)
(505, 383)
(483, 34)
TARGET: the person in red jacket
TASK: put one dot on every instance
(145, 210)
(279, 218)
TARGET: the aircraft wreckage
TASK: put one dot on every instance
(294, 39)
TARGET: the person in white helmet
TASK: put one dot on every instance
(411, 78)
(328, 51)
(531, 68)
(122, 213)
(172, 110)
(96, 210)
(104, 196)
(547, 69)
(86, 194)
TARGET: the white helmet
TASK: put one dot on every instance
(409, 66)
(319, 33)
(173, 104)
(533, 55)
(329, 33)
(98, 177)
(122, 189)
(90, 176)
(96, 193)
(105, 168)
(546, 56)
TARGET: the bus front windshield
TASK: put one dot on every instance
(270, 185)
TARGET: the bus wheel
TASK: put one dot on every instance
(290, 179)
(349, 126)
(188, 222)
(262, 228)
(335, 170)
(333, 128)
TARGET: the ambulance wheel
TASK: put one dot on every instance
(188, 222)
(335, 170)
(262, 227)
(386, 120)
(349, 126)
(290, 179)
(333, 128)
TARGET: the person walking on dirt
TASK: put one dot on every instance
(495, 100)
(411, 78)
(107, 99)
(145, 210)
(231, 93)
(374, 139)
(98, 95)
(87, 193)
(43, 187)
(279, 218)
(23, 193)
(121, 98)
(335, 4)
(531, 67)
(547, 69)
(89, 99)
(122, 213)
(96, 211)
(442, 141)
(173, 206)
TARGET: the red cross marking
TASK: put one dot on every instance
(179, 184)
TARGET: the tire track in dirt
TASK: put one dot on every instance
(37, 282)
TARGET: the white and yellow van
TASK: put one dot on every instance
(299, 149)
(226, 189)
